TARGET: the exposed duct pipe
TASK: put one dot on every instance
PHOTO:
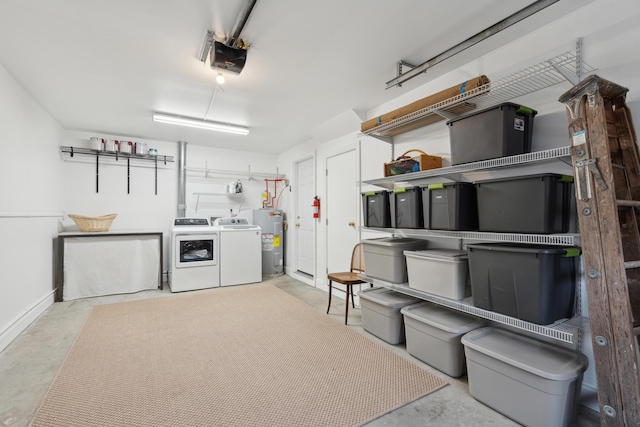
(182, 179)
(482, 35)
(241, 22)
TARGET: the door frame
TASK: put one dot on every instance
(293, 272)
(353, 146)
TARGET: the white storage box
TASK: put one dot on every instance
(381, 313)
(384, 258)
(433, 335)
(442, 272)
(530, 381)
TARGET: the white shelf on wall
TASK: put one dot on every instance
(117, 156)
(232, 195)
(222, 173)
(238, 196)
(562, 68)
(568, 239)
(564, 330)
(412, 179)
(567, 67)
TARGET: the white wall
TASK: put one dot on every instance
(36, 180)
(335, 137)
(609, 33)
(41, 180)
(141, 208)
(608, 44)
(32, 190)
(225, 166)
(608, 41)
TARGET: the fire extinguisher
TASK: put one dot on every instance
(316, 207)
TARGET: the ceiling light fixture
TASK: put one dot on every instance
(220, 78)
(199, 123)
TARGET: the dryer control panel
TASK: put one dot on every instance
(231, 221)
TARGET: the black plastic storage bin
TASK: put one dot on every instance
(375, 206)
(527, 204)
(503, 130)
(406, 208)
(450, 206)
(535, 283)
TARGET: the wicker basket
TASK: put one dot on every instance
(93, 223)
(407, 164)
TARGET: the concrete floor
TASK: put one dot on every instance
(29, 364)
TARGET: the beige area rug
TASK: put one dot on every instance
(248, 355)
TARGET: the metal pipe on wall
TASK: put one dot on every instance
(482, 35)
(182, 179)
(241, 21)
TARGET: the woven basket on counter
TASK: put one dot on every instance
(93, 223)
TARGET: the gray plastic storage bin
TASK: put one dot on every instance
(375, 205)
(384, 258)
(535, 283)
(381, 313)
(442, 272)
(433, 335)
(406, 208)
(450, 206)
(529, 381)
(526, 204)
(503, 130)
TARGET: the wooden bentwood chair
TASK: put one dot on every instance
(348, 278)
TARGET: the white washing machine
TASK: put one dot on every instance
(195, 255)
(240, 251)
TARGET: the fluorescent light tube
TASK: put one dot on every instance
(199, 123)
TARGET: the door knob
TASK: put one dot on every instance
(297, 225)
(352, 224)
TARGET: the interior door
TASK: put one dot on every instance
(342, 210)
(304, 223)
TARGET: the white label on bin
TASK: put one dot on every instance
(579, 138)
(518, 124)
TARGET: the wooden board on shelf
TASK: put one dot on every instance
(425, 102)
(421, 121)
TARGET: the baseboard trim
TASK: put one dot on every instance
(20, 324)
(303, 278)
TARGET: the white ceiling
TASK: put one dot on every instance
(104, 66)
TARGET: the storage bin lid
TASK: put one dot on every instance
(396, 242)
(537, 357)
(443, 185)
(442, 318)
(451, 255)
(375, 193)
(387, 297)
(525, 248)
(526, 111)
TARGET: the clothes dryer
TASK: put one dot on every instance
(195, 254)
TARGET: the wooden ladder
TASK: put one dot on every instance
(606, 165)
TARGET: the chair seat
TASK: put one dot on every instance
(345, 278)
(348, 278)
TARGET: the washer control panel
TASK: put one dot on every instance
(191, 221)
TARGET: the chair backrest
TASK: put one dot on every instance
(357, 261)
